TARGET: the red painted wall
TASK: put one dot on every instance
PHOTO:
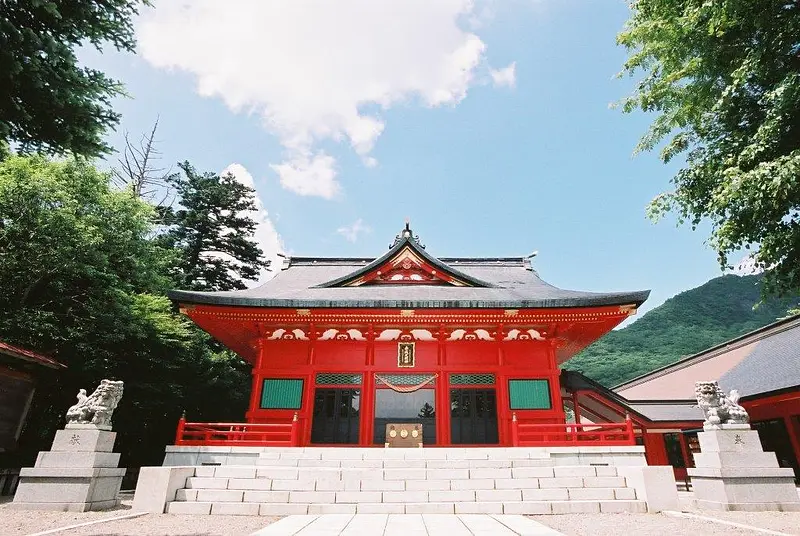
(507, 360)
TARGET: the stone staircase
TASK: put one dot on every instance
(398, 481)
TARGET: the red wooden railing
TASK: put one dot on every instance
(225, 434)
(571, 434)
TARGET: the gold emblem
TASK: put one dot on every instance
(405, 354)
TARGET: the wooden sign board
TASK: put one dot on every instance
(404, 435)
(405, 355)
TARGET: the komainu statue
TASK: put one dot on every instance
(98, 407)
(719, 408)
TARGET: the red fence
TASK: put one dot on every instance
(226, 434)
(571, 434)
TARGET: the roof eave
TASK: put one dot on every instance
(600, 300)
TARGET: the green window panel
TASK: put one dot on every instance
(472, 379)
(281, 393)
(529, 394)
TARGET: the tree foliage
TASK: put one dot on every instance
(82, 279)
(48, 102)
(723, 79)
(212, 232)
(690, 322)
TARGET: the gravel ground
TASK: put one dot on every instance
(176, 525)
(788, 522)
(19, 522)
(660, 524)
(22, 522)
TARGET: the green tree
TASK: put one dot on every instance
(81, 280)
(723, 80)
(47, 101)
(212, 232)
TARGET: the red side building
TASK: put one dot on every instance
(468, 347)
(763, 366)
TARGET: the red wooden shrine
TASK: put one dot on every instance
(341, 346)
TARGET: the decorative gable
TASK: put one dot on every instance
(406, 263)
(406, 268)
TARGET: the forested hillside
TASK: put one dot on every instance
(694, 320)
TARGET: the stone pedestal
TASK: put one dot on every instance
(79, 473)
(734, 473)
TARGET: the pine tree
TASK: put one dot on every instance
(211, 232)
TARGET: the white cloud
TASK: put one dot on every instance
(309, 175)
(507, 76)
(311, 68)
(351, 232)
(266, 235)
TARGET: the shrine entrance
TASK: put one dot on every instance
(473, 417)
(405, 399)
(336, 416)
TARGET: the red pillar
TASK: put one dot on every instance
(555, 383)
(255, 388)
(793, 427)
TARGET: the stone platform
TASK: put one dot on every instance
(341, 480)
(79, 473)
(734, 473)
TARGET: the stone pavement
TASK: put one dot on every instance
(406, 525)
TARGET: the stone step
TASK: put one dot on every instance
(490, 507)
(401, 473)
(327, 485)
(417, 464)
(403, 496)
(185, 455)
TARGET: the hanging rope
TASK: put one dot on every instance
(405, 388)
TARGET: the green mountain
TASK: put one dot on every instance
(690, 322)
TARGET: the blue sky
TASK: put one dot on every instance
(520, 154)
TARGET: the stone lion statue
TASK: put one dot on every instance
(719, 408)
(98, 407)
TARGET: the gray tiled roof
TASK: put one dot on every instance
(684, 410)
(773, 364)
(654, 411)
(772, 361)
(513, 285)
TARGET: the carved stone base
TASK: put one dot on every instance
(80, 473)
(734, 473)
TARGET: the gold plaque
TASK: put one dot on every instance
(405, 355)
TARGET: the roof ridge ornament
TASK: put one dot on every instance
(406, 234)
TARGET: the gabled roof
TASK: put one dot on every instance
(498, 282)
(762, 361)
(407, 247)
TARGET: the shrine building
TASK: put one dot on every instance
(468, 348)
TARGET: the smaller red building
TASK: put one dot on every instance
(19, 369)
(468, 347)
